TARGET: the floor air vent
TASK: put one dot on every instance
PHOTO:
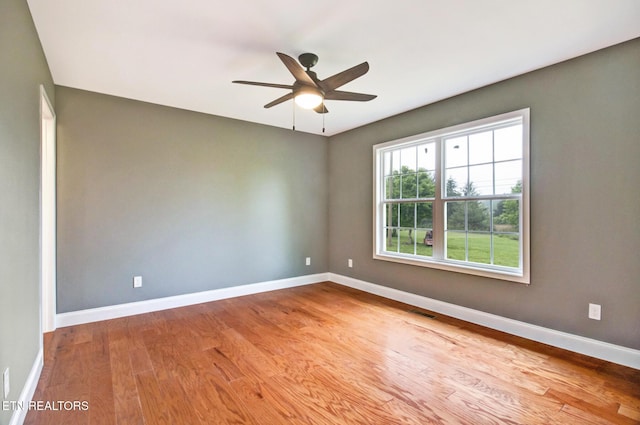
(423, 313)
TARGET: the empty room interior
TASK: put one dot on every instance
(449, 235)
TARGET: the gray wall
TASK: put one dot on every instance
(23, 70)
(585, 150)
(191, 202)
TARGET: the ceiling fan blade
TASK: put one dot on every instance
(321, 109)
(347, 95)
(295, 69)
(279, 100)
(342, 78)
(255, 83)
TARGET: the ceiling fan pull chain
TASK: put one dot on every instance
(323, 118)
(294, 115)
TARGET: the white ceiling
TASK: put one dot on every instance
(186, 53)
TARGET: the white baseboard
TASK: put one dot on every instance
(26, 395)
(590, 347)
(157, 304)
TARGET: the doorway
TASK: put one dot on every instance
(47, 214)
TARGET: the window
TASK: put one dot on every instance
(457, 198)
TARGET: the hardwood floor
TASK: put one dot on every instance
(321, 354)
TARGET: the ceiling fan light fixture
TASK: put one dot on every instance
(308, 98)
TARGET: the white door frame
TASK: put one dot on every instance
(47, 214)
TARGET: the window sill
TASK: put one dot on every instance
(453, 266)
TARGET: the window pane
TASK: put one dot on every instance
(508, 174)
(456, 181)
(395, 161)
(478, 216)
(408, 159)
(424, 215)
(391, 236)
(480, 180)
(426, 185)
(456, 245)
(386, 167)
(479, 246)
(407, 241)
(506, 250)
(392, 187)
(409, 186)
(427, 157)
(424, 237)
(481, 148)
(392, 215)
(506, 216)
(456, 152)
(508, 143)
(455, 212)
(424, 242)
(407, 215)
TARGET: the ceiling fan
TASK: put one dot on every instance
(308, 90)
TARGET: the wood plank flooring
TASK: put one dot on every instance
(321, 354)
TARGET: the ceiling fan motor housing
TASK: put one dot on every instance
(308, 60)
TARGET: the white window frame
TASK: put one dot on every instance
(438, 261)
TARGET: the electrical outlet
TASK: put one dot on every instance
(595, 311)
(308, 262)
(137, 281)
(350, 262)
(6, 385)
